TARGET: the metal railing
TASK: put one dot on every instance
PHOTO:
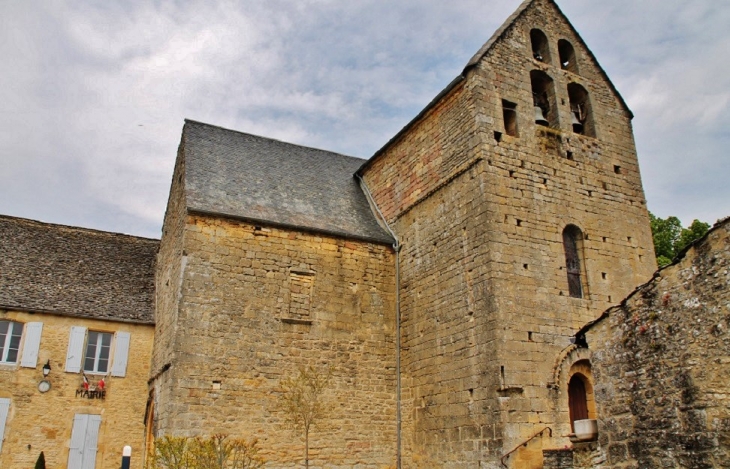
(524, 444)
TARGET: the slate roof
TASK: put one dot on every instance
(244, 176)
(76, 272)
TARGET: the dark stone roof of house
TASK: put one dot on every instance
(244, 176)
(76, 271)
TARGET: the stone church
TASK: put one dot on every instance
(445, 283)
(441, 280)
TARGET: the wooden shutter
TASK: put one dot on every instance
(121, 353)
(84, 441)
(78, 436)
(4, 409)
(75, 351)
(32, 344)
(91, 441)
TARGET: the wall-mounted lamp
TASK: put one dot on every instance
(47, 368)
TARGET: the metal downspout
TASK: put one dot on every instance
(396, 247)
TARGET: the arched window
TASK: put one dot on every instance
(581, 111)
(544, 101)
(573, 245)
(540, 49)
(567, 56)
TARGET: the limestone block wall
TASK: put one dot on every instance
(449, 329)
(542, 180)
(168, 286)
(431, 151)
(486, 305)
(660, 364)
(257, 303)
(43, 421)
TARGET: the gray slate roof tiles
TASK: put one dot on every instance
(235, 174)
(76, 271)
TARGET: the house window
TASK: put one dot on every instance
(567, 56)
(10, 334)
(540, 50)
(573, 244)
(509, 113)
(581, 111)
(98, 346)
(544, 100)
(99, 352)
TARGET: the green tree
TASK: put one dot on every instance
(302, 401)
(670, 238)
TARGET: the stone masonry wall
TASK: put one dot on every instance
(486, 308)
(257, 304)
(661, 365)
(43, 421)
(168, 285)
(541, 181)
(448, 330)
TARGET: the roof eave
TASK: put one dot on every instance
(25, 309)
(289, 226)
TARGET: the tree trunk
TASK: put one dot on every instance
(306, 447)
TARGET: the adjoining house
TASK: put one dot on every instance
(76, 331)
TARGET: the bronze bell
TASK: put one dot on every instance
(577, 124)
(540, 118)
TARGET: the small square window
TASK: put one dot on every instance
(509, 113)
(98, 346)
(10, 333)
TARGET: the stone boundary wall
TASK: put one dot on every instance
(661, 366)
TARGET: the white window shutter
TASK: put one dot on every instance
(90, 443)
(75, 349)
(121, 354)
(4, 409)
(78, 436)
(32, 344)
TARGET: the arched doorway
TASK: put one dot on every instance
(577, 399)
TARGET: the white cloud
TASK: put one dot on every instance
(95, 100)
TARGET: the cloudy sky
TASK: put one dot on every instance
(93, 93)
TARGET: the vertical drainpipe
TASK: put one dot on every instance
(396, 247)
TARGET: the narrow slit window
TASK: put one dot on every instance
(509, 113)
(573, 244)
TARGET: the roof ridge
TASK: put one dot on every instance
(74, 228)
(499, 32)
(193, 121)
